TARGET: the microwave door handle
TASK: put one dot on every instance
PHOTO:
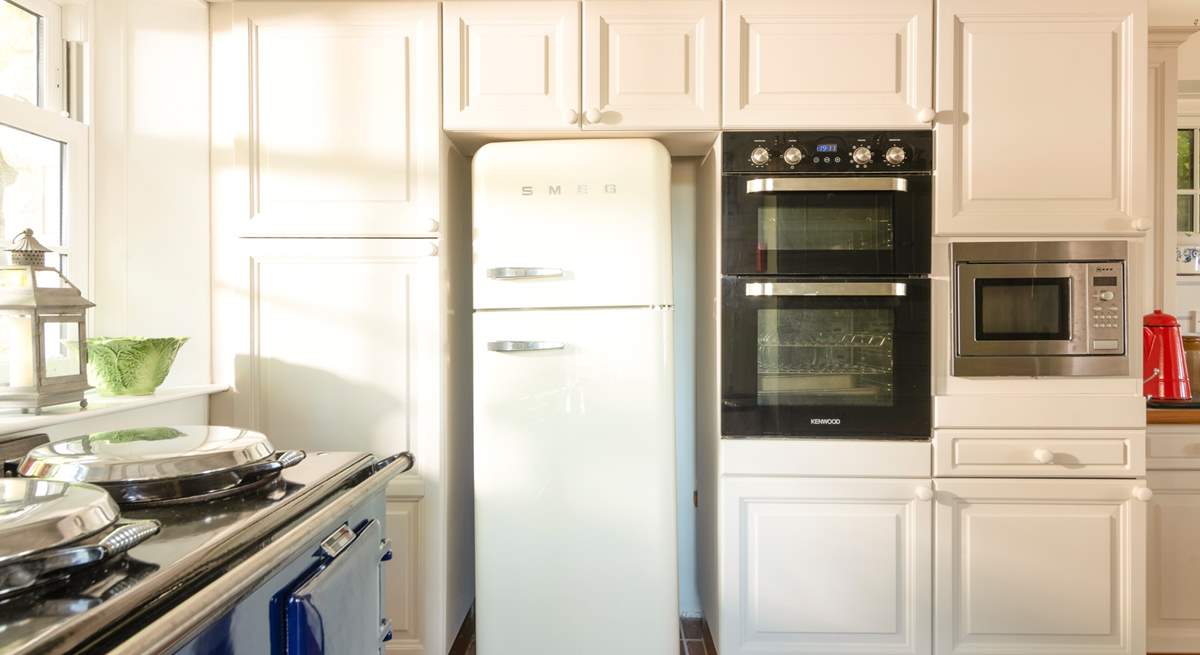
(773, 184)
(880, 289)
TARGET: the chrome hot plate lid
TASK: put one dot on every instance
(37, 515)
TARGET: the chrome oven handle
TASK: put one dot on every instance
(523, 346)
(522, 273)
(773, 184)
(886, 289)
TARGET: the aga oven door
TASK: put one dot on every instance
(845, 357)
(826, 225)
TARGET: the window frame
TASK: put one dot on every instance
(49, 120)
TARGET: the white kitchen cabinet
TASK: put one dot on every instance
(402, 585)
(1173, 563)
(651, 65)
(1040, 566)
(819, 64)
(1041, 117)
(826, 566)
(310, 159)
(510, 65)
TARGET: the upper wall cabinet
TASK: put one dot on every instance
(815, 63)
(510, 65)
(1041, 110)
(334, 116)
(515, 66)
(651, 65)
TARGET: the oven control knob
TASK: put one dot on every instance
(759, 156)
(793, 156)
(861, 155)
(1106, 295)
(895, 155)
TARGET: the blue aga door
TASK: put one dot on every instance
(331, 610)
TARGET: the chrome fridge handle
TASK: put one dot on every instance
(523, 346)
(887, 289)
(522, 272)
(772, 184)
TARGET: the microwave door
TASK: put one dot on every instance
(1021, 309)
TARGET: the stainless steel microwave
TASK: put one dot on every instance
(1042, 308)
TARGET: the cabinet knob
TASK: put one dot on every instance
(1043, 456)
(432, 225)
(571, 117)
(593, 115)
(926, 115)
(924, 493)
(431, 249)
(1141, 225)
(1143, 493)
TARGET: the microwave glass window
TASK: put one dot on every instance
(842, 221)
(1022, 309)
(826, 357)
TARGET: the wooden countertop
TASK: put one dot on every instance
(1182, 416)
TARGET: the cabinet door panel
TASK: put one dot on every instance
(811, 63)
(1173, 566)
(1041, 113)
(401, 594)
(337, 134)
(1039, 567)
(825, 566)
(510, 65)
(652, 65)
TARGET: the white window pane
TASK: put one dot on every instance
(20, 67)
(31, 186)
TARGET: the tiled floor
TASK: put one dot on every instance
(693, 640)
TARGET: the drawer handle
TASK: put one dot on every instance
(924, 493)
(1143, 494)
(1043, 456)
(524, 346)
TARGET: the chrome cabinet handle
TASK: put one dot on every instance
(522, 272)
(772, 184)
(523, 346)
(894, 289)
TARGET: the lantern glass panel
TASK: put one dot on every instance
(60, 342)
(17, 366)
(14, 278)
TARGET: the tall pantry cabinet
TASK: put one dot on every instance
(334, 230)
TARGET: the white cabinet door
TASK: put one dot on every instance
(1041, 110)
(821, 64)
(510, 65)
(1173, 563)
(825, 566)
(1040, 566)
(651, 65)
(401, 582)
(336, 117)
(343, 341)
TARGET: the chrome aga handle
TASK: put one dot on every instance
(522, 273)
(885, 289)
(773, 184)
(524, 346)
(129, 535)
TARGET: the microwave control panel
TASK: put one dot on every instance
(1106, 308)
(847, 152)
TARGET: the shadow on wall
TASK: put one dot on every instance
(312, 409)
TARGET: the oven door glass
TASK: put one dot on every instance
(826, 225)
(826, 358)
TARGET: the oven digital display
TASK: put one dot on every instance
(827, 147)
(1104, 281)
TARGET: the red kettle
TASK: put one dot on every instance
(1164, 369)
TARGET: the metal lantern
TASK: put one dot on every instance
(43, 331)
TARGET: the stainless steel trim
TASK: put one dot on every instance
(775, 184)
(894, 289)
(1038, 251)
(523, 346)
(522, 273)
(1040, 366)
(186, 619)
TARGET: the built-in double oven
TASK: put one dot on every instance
(825, 284)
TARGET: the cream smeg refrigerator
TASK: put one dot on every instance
(575, 543)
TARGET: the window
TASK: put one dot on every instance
(1187, 208)
(44, 153)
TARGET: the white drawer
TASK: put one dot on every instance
(1039, 453)
(1173, 447)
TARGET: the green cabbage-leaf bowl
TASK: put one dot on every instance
(130, 366)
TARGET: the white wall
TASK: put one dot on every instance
(1189, 58)
(150, 231)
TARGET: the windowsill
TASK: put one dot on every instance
(13, 421)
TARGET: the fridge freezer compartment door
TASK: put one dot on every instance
(572, 224)
(575, 483)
